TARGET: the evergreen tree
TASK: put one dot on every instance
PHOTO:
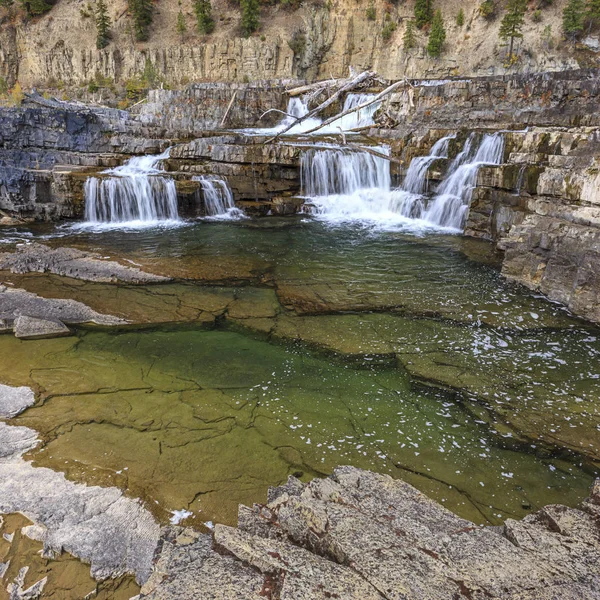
(250, 14)
(592, 13)
(409, 40)
(512, 23)
(142, 12)
(181, 26)
(437, 36)
(460, 18)
(423, 12)
(573, 18)
(204, 19)
(102, 25)
(35, 7)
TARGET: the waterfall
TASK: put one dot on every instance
(298, 107)
(135, 191)
(450, 206)
(218, 198)
(337, 171)
(416, 176)
(347, 185)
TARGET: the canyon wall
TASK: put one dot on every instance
(314, 40)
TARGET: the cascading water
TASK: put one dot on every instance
(415, 180)
(352, 185)
(450, 206)
(135, 192)
(297, 107)
(337, 171)
(218, 198)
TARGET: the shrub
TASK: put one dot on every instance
(388, 28)
(536, 16)
(487, 9)
(460, 18)
(371, 13)
(297, 43)
(250, 16)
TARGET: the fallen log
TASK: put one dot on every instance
(377, 98)
(228, 108)
(303, 89)
(345, 88)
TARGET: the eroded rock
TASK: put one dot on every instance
(15, 303)
(70, 262)
(14, 400)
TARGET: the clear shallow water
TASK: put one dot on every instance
(325, 345)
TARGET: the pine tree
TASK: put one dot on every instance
(250, 14)
(423, 13)
(512, 23)
(437, 37)
(142, 12)
(460, 18)
(409, 40)
(181, 26)
(36, 7)
(592, 13)
(204, 19)
(573, 18)
(102, 25)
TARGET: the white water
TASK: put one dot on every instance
(297, 107)
(218, 198)
(343, 185)
(415, 180)
(450, 206)
(135, 194)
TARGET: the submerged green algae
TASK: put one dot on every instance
(325, 347)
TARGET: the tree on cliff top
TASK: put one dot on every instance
(102, 25)
(250, 14)
(142, 12)
(423, 12)
(204, 18)
(573, 18)
(511, 27)
(181, 26)
(437, 37)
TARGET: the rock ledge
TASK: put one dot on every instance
(359, 535)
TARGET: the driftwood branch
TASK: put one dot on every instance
(277, 111)
(373, 100)
(319, 85)
(228, 108)
(345, 88)
(351, 146)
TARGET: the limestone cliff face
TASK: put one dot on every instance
(59, 47)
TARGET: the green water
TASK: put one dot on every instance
(289, 347)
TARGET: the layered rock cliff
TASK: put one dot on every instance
(315, 40)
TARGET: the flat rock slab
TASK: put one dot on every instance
(14, 400)
(30, 328)
(114, 534)
(70, 262)
(360, 535)
(16, 302)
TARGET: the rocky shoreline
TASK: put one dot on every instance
(354, 535)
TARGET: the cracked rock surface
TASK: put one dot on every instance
(360, 535)
(16, 303)
(114, 534)
(71, 262)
